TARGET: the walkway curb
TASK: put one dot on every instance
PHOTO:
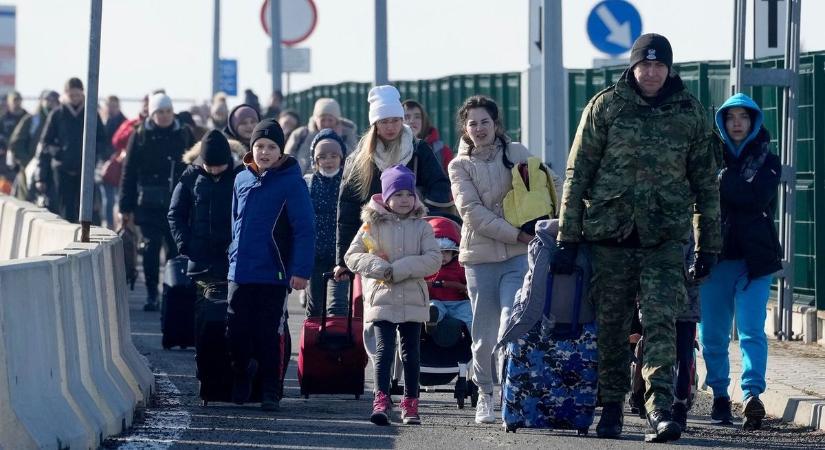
(785, 402)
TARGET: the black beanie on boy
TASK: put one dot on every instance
(651, 47)
(270, 129)
(215, 149)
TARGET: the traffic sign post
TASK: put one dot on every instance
(298, 20)
(613, 26)
(228, 81)
(769, 20)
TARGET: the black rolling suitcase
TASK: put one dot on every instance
(177, 316)
(212, 358)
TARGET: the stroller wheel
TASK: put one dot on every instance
(582, 432)
(460, 392)
(474, 394)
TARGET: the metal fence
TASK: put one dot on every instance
(440, 97)
(708, 81)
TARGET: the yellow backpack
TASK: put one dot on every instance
(533, 196)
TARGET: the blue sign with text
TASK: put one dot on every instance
(613, 26)
(229, 77)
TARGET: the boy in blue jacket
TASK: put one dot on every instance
(271, 252)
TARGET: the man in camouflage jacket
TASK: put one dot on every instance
(643, 160)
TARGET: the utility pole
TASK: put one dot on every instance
(87, 177)
(381, 76)
(216, 46)
(275, 36)
(553, 92)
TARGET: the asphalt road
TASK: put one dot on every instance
(176, 420)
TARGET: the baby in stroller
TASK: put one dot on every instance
(448, 286)
(446, 342)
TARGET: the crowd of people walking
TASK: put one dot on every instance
(674, 211)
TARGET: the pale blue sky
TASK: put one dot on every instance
(167, 43)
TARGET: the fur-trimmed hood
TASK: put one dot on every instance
(376, 211)
(194, 152)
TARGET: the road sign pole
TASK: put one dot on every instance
(552, 74)
(381, 76)
(216, 46)
(275, 43)
(87, 177)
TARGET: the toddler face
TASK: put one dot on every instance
(402, 202)
(446, 257)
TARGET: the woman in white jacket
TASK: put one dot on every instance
(492, 251)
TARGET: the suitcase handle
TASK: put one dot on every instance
(577, 299)
(326, 277)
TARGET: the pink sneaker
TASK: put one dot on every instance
(381, 409)
(409, 411)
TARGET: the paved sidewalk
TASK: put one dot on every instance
(795, 381)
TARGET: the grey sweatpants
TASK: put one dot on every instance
(492, 288)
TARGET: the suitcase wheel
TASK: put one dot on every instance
(204, 403)
(582, 432)
(510, 428)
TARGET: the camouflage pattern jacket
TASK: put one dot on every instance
(636, 165)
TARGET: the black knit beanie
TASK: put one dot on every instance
(330, 134)
(651, 47)
(270, 129)
(215, 149)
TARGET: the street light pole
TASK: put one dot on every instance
(381, 76)
(216, 47)
(553, 92)
(87, 177)
(275, 36)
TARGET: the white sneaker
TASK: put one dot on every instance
(484, 409)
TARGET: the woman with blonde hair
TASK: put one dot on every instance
(386, 143)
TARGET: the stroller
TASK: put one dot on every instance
(446, 348)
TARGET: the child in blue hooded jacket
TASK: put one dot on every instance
(739, 285)
(271, 253)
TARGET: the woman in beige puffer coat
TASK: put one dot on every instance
(492, 250)
(393, 251)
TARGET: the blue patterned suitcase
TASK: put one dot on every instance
(550, 377)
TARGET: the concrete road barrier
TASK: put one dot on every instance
(70, 375)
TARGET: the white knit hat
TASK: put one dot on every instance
(159, 101)
(385, 102)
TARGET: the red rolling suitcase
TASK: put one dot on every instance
(332, 358)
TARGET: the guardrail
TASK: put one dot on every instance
(69, 373)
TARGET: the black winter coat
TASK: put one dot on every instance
(63, 141)
(748, 194)
(200, 218)
(151, 171)
(430, 180)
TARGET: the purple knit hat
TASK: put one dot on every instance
(397, 178)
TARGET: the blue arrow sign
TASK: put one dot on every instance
(229, 77)
(613, 26)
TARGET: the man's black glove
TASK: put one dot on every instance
(563, 261)
(702, 264)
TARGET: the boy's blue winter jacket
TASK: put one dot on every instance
(272, 225)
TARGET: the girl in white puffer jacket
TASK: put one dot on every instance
(393, 251)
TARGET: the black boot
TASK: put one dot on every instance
(721, 411)
(754, 412)
(662, 427)
(610, 424)
(242, 383)
(679, 412)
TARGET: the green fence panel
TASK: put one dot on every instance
(441, 98)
